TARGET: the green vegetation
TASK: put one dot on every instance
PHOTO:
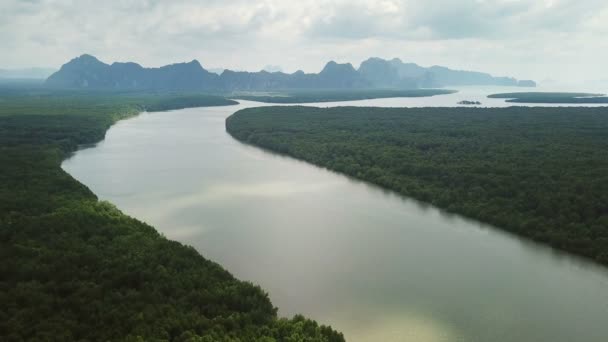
(541, 97)
(537, 172)
(338, 95)
(74, 268)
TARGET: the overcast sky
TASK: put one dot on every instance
(539, 39)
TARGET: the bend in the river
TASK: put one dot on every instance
(372, 264)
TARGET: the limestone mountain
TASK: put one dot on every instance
(395, 73)
(88, 72)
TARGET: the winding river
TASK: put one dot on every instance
(375, 266)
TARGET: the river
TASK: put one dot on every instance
(374, 265)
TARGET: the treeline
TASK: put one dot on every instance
(549, 97)
(329, 95)
(538, 172)
(77, 269)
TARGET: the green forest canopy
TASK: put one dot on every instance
(548, 97)
(75, 268)
(537, 172)
(329, 95)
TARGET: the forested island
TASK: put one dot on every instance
(76, 268)
(537, 172)
(549, 97)
(469, 103)
(335, 95)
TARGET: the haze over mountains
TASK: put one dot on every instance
(88, 72)
(27, 73)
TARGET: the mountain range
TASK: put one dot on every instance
(88, 72)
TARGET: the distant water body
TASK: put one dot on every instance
(374, 265)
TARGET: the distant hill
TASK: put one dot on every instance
(87, 71)
(395, 73)
(27, 73)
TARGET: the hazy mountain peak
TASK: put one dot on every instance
(131, 65)
(333, 66)
(85, 56)
(193, 65)
(86, 59)
(84, 62)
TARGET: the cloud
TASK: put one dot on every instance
(447, 19)
(523, 38)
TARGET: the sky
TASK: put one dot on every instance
(537, 39)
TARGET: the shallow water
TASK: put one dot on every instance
(375, 266)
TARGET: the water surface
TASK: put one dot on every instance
(375, 266)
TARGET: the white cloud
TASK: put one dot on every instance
(524, 38)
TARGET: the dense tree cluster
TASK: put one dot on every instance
(75, 268)
(552, 97)
(538, 172)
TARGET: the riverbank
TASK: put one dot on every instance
(331, 95)
(513, 168)
(114, 277)
(372, 264)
